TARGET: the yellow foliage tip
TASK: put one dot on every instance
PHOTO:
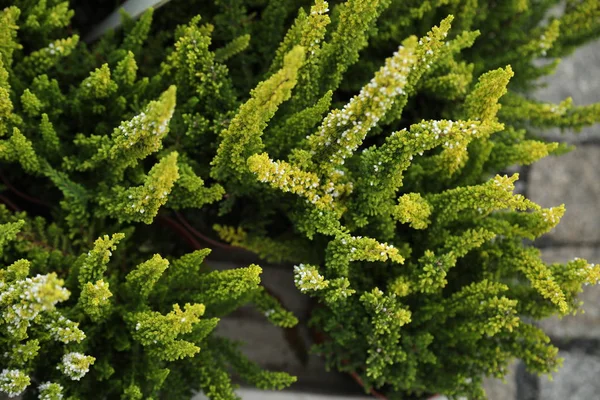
(414, 210)
(482, 102)
(342, 131)
(371, 250)
(307, 278)
(289, 178)
(553, 215)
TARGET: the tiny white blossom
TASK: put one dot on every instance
(75, 365)
(12, 382)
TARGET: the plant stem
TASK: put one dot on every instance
(206, 238)
(22, 195)
(9, 203)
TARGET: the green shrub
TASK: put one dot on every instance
(369, 153)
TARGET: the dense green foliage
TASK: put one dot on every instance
(351, 139)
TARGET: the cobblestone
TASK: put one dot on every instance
(582, 325)
(576, 380)
(576, 77)
(572, 179)
(496, 389)
(265, 344)
(249, 394)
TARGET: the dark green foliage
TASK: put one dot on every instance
(364, 141)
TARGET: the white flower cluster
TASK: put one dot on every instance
(283, 175)
(30, 297)
(53, 49)
(139, 202)
(589, 273)
(504, 182)
(288, 178)
(381, 250)
(338, 184)
(145, 127)
(23, 350)
(559, 109)
(330, 189)
(13, 382)
(545, 44)
(550, 216)
(4, 291)
(140, 127)
(443, 128)
(307, 278)
(320, 8)
(75, 365)
(64, 330)
(102, 287)
(50, 391)
(345, 129)
(269, 312)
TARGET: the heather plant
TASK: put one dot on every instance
(365, 146)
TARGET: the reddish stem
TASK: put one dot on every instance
(25, 196)
(196, 245)
(37, 243)
(320, 337)
(290, 333)
(204, 237)
(9, 203)
(372, 392)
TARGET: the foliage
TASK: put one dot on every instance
(364, 146)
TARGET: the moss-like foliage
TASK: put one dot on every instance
(364, 142)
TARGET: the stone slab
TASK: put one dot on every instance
(496, 389)
(528, 384)
(249, 394)
(577, 380)
(265, 344)
(582, 325)
(577, 76)
(280, 281)
(572, 179)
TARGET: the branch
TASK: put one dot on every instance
(291, 335)
(25, 196)
(181, 231)
(372, 392)
(206, 238)
(9, 203)
(359, 380)
(36, 243)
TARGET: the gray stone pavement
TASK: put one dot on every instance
(577, 379)
(578, 77)
(584, 325)
(573, 179)
(498, 389)
(250, 394)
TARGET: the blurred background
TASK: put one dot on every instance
(572, 179)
